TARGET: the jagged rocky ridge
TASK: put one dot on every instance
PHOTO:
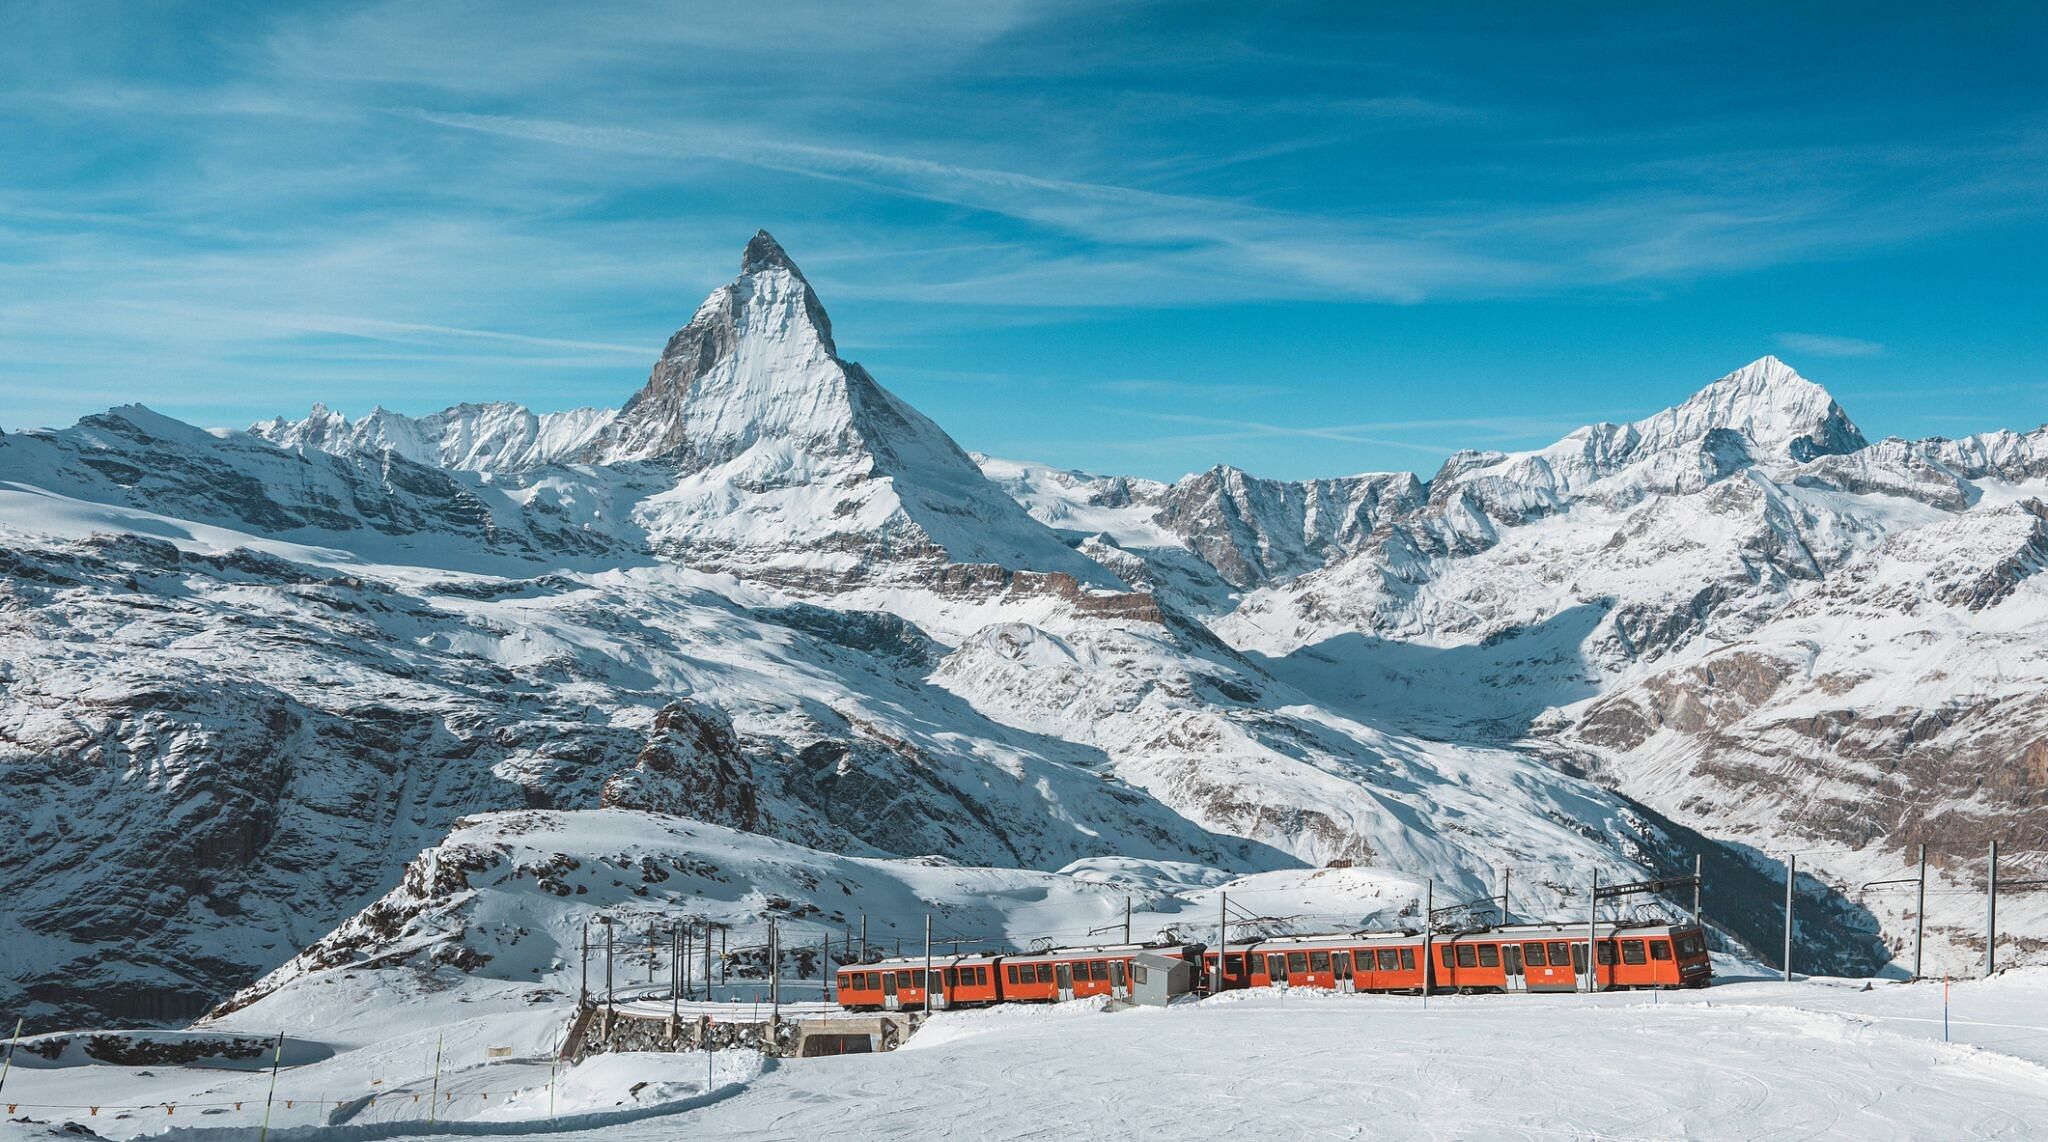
(246, 677)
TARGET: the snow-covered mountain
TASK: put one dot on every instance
(495, 437)
(246, 678)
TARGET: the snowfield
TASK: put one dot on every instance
(1750, 1059)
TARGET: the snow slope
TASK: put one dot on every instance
(1743, 1060)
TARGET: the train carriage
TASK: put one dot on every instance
(899, 984)
(1355, 962)
(1552, 957)
(1077, 973)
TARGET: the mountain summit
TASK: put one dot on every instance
(794, 464)
(1767, 402)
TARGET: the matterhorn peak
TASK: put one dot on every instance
(765, 253)
(791, 461)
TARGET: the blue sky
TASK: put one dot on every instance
(1305, 239)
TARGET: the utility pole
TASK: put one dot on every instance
(1920, 916)
(774, 971)
(1593, 936)
(682, 951)
(863, 938)
(1222, 937)
(927, 961)
(707, 964)
(825, 965)
(675, 977)
(586, 963)
(652, 955)
(1791, 875)
(433, 1100)
(1699, 869)
(16, 1041)
(276, 1060)
(606, 921)
(1127, 919)
(1506, 878)
(1428, 932)
(1991, 912)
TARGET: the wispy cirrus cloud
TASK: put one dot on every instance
(1826, 345)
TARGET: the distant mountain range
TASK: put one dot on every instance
(248, 679)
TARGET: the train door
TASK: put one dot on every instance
(889, 998)
(1064, 977)
(1579, 966)
(1511, 963)
(1340, 969)
(1119, 985)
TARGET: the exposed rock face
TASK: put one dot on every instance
(692, 767)
(494, 437)
(1255, 531)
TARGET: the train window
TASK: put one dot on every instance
(1607, 951)
(1560, 953)
(1297, 962)
(1099, 971)
(1319, 962)
(952, 977)
(1632, 952)
(1390, 960)
(1233, 966)
(1012, 973)
(1660, 949)
(1276, 966)
(1532, 954)
(1446, 955)
(1340, 963)
(905, 979)
(1407, 959)
(874, 981)
(1468, 956)
(1489, 955)
(1045, 973)
(1691, 946)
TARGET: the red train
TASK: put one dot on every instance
(1510, 958)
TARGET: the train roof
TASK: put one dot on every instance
(1606, 928)
(938, 960)
(1088, 952)
(1097, 951)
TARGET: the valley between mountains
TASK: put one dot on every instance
(419, 694)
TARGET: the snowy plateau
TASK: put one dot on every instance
(346, 727)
